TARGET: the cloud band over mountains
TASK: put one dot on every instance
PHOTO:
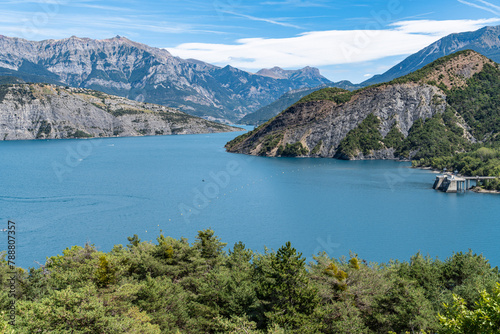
(332, 47)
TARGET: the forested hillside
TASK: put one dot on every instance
(172, 286)
(479, 105)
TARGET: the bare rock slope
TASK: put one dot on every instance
(38, 111)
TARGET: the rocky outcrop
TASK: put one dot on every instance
(139, 72)
(316, 128)
(329, 122)
(383, 154)
(40, 111)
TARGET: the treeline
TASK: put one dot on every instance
(172, 286)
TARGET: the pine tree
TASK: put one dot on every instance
(287, 296)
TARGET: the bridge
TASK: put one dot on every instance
(453, 183)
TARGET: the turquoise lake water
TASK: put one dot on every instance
(68, 192)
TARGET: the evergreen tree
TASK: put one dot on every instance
(287, 296)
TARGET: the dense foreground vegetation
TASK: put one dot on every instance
(171, 286)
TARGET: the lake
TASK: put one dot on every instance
(68, 192)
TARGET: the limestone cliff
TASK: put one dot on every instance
(325, 123)
(38, 111)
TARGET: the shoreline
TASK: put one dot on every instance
(434, 170)
(476, 189)
(480, 190)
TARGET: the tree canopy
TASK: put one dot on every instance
(173, 286)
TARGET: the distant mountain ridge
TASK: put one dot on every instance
(267, 112)
(286, 100)
(307, 72)
(139, 72)
(485, 41)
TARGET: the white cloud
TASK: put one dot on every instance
(253, 18)
(333, 47)
(489, 7)
(441, 28)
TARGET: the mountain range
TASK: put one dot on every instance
(439, 109)
(139, 72)
(119, 66)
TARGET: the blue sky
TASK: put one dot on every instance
(346, 39)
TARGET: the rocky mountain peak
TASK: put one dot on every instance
(308, 74)
(140, 72)
(275, 72)
(309, 69)
(311, 72)
(279, 73)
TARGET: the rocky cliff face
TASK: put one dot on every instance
(122, 67)
(329, 122)
(38, 111)
(316, 127)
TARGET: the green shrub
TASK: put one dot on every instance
(173, 286)
(364, 138)
(394, 137)
(316, 148)
(44, 130)
(338, 95)
(294, 150)
(270, 142)
(81, 134)
(439, 136)
(479, 102)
